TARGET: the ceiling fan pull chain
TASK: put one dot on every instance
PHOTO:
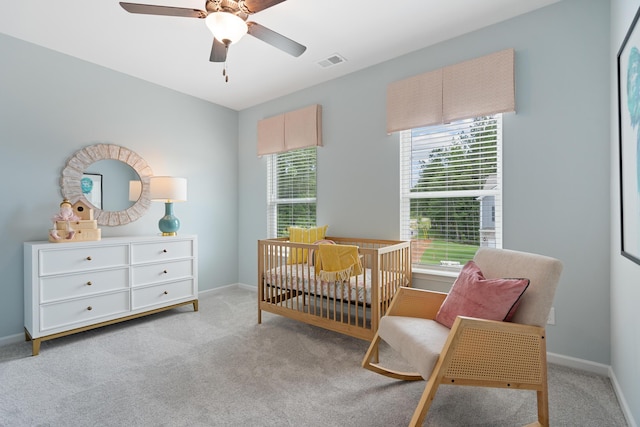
(224, 71)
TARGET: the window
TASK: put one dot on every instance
(291, 190)
(451, 190)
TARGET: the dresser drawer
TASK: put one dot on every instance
(83, 284)
(151, 252)
(66, 259)
(83, 311)
(161, 272)
(163, 294)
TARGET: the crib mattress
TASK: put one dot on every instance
(302, 278)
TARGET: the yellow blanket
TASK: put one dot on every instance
(337, 262)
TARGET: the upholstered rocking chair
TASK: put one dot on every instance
(474, 351)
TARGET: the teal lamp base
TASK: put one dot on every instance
(169, 224)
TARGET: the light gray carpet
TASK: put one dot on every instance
(217, 367)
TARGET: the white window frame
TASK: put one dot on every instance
(272, 195)
(406, 195)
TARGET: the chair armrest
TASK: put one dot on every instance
(412, 302)
(493, 353)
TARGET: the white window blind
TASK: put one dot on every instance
(291, 190)
(451, 190)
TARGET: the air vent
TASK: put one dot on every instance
(332, 60)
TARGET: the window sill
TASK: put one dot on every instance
(428, 273)
(439, 280)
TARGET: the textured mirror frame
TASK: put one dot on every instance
(82, 159)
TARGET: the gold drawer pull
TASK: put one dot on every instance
(89, 308)
(166, 292)
(88, 258)
(89, 283)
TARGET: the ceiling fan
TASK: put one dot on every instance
(227, 20)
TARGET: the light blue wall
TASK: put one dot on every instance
(556, 157)
(52, 105)
(558, 163)
(625, 275)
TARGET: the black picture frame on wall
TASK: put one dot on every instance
(628, 62)
(91, 185)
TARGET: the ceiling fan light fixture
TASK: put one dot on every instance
(226, 26)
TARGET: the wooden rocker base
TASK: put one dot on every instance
(371, 363)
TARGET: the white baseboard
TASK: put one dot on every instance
(626, 410)
(233, 285)
(584, 365)
(600, 369)
(247, 287)
(11, 339)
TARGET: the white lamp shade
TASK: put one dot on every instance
(135, 190)
(226, 26)
(168, 188)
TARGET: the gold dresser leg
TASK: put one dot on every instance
(35, 343)
(35, 347)
(195, 305)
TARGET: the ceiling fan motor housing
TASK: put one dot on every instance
(231, 6)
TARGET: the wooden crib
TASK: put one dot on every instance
(351, 307)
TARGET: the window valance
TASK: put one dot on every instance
(290, 131)
(478, 87)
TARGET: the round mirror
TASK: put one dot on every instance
(113, 177)
(106, 176)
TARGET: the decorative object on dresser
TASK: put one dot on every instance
(168, 189)
(117, 166)
(74, 288)
(74, 223)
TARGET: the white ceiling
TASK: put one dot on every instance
(174, 51)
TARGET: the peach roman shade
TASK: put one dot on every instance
(290, 131)
(271, 135)
(473, 88)
(415, 102)
(479, 87)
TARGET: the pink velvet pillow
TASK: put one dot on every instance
(474, 296)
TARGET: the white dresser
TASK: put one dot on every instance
(73, 287)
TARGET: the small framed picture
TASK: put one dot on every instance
(91, 184)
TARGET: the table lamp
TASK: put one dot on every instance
(135, 190)
(168, 189)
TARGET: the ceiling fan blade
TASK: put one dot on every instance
(218, 51)
(254, 6)
(149, 9)
(276, 40)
